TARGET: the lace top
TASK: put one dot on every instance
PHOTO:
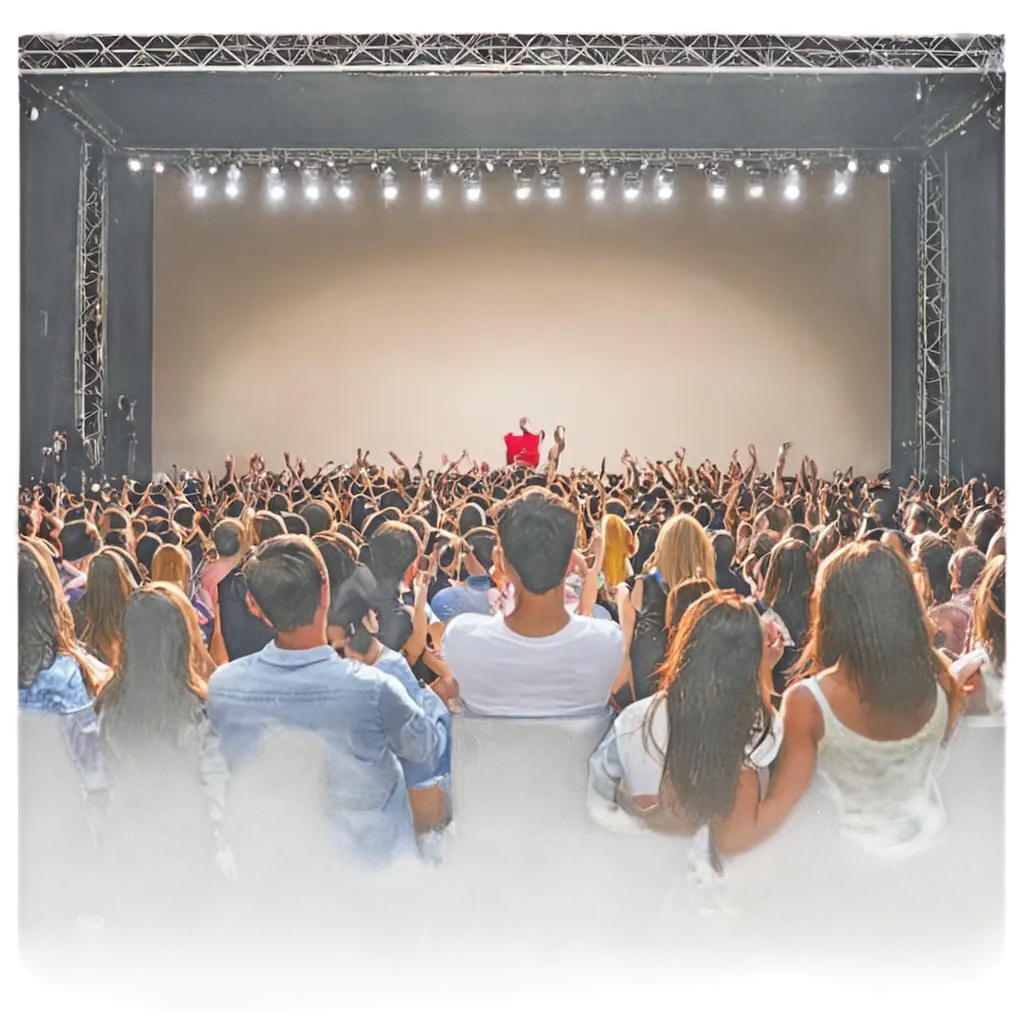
(885, 790)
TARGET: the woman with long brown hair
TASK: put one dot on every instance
(172, 564)
(98, 614)
(987, 659)
(787, 595)
(872, 715)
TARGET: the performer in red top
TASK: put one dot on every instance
(523, 447)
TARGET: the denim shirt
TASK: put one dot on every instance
(367, 721)
(473, 597)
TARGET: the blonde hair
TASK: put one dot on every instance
(682, 551)
(171, 565)
(619, 544)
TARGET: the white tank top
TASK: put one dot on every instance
(885, 790)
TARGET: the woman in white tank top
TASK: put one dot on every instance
(874, 713)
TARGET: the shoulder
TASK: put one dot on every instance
(632, 717)
(228, 675)
(469, 624)
(800, 709)
(603, 631)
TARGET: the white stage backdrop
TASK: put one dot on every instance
(652, 325)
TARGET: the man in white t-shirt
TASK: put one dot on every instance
(540, 661)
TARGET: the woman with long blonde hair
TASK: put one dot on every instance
(98, 614)
(619, 547)
(683, 551)
(172, 564)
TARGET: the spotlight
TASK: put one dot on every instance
(853, 166)
(738, 161)
(718, 183)
(884, 166)
(158, 167)
(806, 161)
(489, 165)
(792, 185)
(473, 187)
(330, 163)
(524, 184)
(553, 183)
(583, 168)
(919, 94)
(756, 183)
(196, 185)
(597, 186)
(433, 188)
(666, 181)
(233, 186)
(755, 189)
(134, 164)
(343, 183)
(841, 184)
(613, 170)
(33, 114)
(275, 184)
(453, 167)
(388, 185)
(311, 184)
(632, 185)
(297, 163)
(213, 168)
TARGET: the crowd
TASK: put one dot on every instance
(741, 628)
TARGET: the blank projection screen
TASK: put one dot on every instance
(321, 328)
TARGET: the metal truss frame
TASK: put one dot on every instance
(393, 53)
(91, 287)
(933, 383)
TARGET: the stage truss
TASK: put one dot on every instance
(933, 384)
(91, 281)
(508, 54)
(39, 55)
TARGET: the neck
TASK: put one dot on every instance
(305, 638)
(538, 615)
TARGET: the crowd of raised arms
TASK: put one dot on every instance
(740, 627)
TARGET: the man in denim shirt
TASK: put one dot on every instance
(364, 716)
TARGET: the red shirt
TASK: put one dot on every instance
(524, 447)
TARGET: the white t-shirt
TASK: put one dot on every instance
(501, 673)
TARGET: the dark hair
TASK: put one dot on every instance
(471, 517)
(350, 604)
(78, 540)
(145, 548)
(788, 582)
(906, 544)
(340, 557)
(990, 611)
(285, 576)
(318, 516)
(799, 532)
(984, 528)
(725, 549)
(278, 503)
(227, 538)
(266, 525)
(25, 527)
(968, 564)
(482, 540)
(710, 683)
(681, 596)
(537, 532)
(392, 549)
(866, 611)
(295, 524)
(933, 553)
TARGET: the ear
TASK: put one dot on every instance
(254, 608)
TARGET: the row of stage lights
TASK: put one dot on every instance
(317, 181)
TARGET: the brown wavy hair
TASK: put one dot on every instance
(990, 611)
(108, 586)
(711, 683)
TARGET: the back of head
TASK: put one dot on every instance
(681, 596)
(295, 524)
(798, 532)
(683, 550)
(483, 540)
(350, 604)
(776, 518)
(537, 533)
(984, 527)
(286, 577)
(171, 564)
(618, 546)
(340, 557)
(79, 540)
(43, 632)
(965, 566)
(713, 696)
(227, 538)
(145, 548)
(725, 549)
(393, 548)
(318, 516)
(933, 553)
(990, 611)
(266, 525)
(866, 610)
(108, 588)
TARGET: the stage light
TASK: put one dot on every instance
(666, 182)
(275, 184)
(134, 164)
(330, 163)
(840, 184)
(474, 188)
(632, 185)
(489, 165)
(213, 168)
(583, 168)
(432, 190)
(553, 183)
(33, 114)
(343, 183)
(756, 178)
(791, 189)
(196, 185)
(755, 189)
(524, 183)
(853, 166)
(389, 188)
(884, 166)
(597, 186)
(807, 161)
(738, 161)
(311, 184)
(158, 167)
(233, 184)
(453, 167)
(718, 183)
